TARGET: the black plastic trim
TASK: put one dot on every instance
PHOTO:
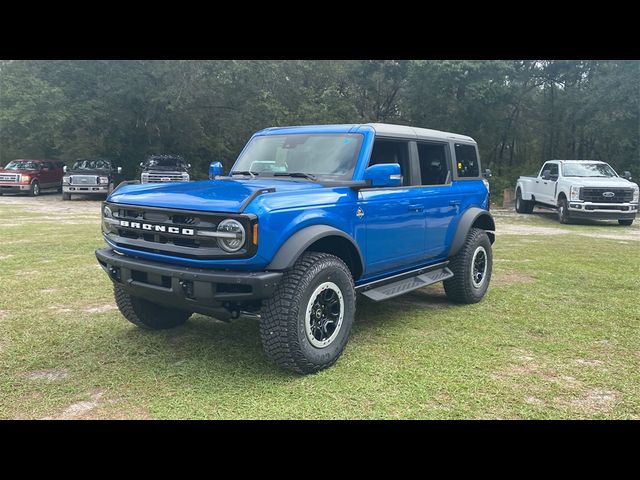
(464, 225)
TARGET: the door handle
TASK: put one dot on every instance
(454, 203)
(416, 208)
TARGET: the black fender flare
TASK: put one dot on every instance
(297, 243)
(470, 217)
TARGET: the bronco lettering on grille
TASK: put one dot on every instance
(156, 228)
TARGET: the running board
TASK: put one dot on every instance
(388, 288)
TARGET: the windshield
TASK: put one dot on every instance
(588, 170)
(91, 165)
(163, 162)
(21, 165)
(330, 155)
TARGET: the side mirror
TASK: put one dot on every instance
(487, 173)
(188, 165)
(546, 175)
(383, 175)
(119, 169)
(141, 164)
(215, 169)
(627, 174)
(64, 169)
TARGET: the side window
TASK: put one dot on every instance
(552, 167)
(392, 151)
(47, 166)
(467, 161)
(434, 167)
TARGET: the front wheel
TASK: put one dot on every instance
(146, 314)
(305, 325)
(66, 196)
(35, 189)
(471, 268)
(563, 211)
(626, 222)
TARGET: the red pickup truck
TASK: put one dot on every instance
(31, 176)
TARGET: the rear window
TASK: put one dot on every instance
(467, 161)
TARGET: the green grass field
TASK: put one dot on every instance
(557, 336)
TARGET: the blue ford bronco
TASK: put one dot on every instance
(307, 217)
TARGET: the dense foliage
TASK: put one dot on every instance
(520, 112)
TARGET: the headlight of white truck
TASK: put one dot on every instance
(144, 178)
(104, 179)
(636, 194)
(185, 177)
(65, 180)
(575, 193)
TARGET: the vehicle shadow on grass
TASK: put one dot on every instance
(551, 216)
(235, 349)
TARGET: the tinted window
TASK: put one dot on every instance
(391, 151)
(467, 161)
(552, 167)
(434, 167)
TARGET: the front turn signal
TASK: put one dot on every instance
(255, 234)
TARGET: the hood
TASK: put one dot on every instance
(617, 182)
(221, 195)
(23, 172)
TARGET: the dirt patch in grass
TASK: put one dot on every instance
(528, 230)
(100, 308)
(501, 279)
(596, 400)
(60, 309)
(81, 409)
(589, 363)
(3, 313)
(50, 374)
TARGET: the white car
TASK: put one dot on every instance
(580, 189)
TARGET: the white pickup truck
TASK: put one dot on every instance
(580, 189)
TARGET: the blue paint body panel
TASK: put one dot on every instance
(402, 227)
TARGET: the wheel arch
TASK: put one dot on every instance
(474, 217)
(319, 238)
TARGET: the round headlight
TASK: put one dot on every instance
(232, 235)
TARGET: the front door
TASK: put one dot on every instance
(547, 188)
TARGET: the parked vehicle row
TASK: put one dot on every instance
(31, 176)
(580, 189)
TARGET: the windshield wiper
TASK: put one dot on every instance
(246, 172)
(295, 174)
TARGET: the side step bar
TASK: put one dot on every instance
(405, 282)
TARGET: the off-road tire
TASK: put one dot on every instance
(34, 191)
(146, 314)
(625, 221)
(563, 211)
(460, 288)
(66, 196)
(523, 206)
(283, 315)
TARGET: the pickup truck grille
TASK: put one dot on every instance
(603, 195)
(164, 177)
(84, 180)
(9, 177)
(178, 233)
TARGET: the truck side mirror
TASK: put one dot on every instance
(383, 175)
(141, 164)
(487, 173)
(64, 169)
(119, 169)
(546, 175)
(627, 174)
(215, 169)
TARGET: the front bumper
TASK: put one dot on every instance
(193, 289)
(603, 211)
(15, 188)
(84, 189)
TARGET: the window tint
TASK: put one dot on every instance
(552, 167)
(391, 151)
(434, 167)
(467, 161)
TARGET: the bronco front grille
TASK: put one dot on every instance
(173, 232)
(606, 195)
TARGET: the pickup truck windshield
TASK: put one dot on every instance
(327, 155)
(21, 166)
(91, 165)
(588, 170)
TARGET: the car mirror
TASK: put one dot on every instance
(215, 169)
(383, 175)
(141, 164)
(119, 170)
(64, 169)
(487, 173)
(627, 174)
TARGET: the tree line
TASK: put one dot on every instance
(521, 112)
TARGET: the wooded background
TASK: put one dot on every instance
(521, 113)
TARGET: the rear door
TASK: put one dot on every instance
(47, 175)
(394, 216)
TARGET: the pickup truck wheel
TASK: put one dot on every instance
(471, 268)
(626, 222)
(34, 191)
(66, 196)
(305, 325)
(523, 206)
(146, 314)
(563, 211)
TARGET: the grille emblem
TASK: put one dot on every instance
(608, 194)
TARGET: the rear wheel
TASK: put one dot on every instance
(34, 191)
(471, 268)
(146, 314)
(523, 206)
(626, 222)
(66, 196)
(563, 211)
